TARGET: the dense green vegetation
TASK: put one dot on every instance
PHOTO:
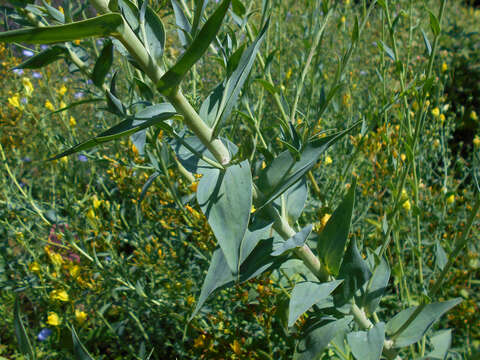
(111, 239)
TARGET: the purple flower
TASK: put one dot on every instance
(78, 95)
(24, 100)
(27, 53)
(36, 75)
(44, 334)
(43, 47)
(18, 71)
(26, 159)
(82, 158)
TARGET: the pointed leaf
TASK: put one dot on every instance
(306, 294)
(79, 349)
(173, 77)
(354, 271)
(367, 345)
(103, 25)
(225, 198)
(295, 241)
(295, 198)
(318, 338)
(333, 239)
(441, 342)
(43, 58)
(182, 22)
(284, 171)
(24, 343)
(155, 33)
(377, 285)
(152, 115)
(103, 64)
(419, 326)
(219, 275)
(234, 84)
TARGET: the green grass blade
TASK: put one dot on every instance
(22, 337)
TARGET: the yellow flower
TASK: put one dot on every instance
(80, 316)
(343, 19)
(60, 295)
(27, 85)
(193, 186)
(476, 141)
(91, 214)
(190, 299)
(199, 341)
(403, 157)
(49, 105)
(62, 90)
(442, 118)
(236, 347)
(289, 74)
(436, 143)
(55, 258)
(325, 219)
(264, 165)
(406, 205)
(73, 122)
(34, 267)
(252, 210)
(74, 271)
(473, 115)
(436, 112)
(53, 319)
(444, 67)
(403, 195)
(62, 105)
(96, 202)
(451, 199)
(328, 160)
(15, 101)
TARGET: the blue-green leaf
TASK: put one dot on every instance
(219, 275)
(103, 64)
(152, 115)
(172, 78)
(367, 345)
(354, 271)
(225, 198)
(295, 241)
(234, 84)
(43, 58)
(155, 33)
(306, 294)
(318, 338)
(419, 326)
(333, 239)
(377, 285)
(182, 22)
(24, 343)
(441, 342)
(103, 25)
(284, 171)
(79, 349)
(294, 198)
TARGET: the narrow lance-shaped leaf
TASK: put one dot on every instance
(23, 340)
(234, 84)
(333, 239)
(43, 58)
(155, 33)
(146, 118)
(79, 349)
(173, 77)
(103, 64)
(419, 326)
(182, 22)
(104, 25)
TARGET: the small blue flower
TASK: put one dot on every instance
(82, 158)
(36, 75)
(18, 71)
(27, 53)
(26, 159)
(78, 95)
(43, 47)
(44, 334)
